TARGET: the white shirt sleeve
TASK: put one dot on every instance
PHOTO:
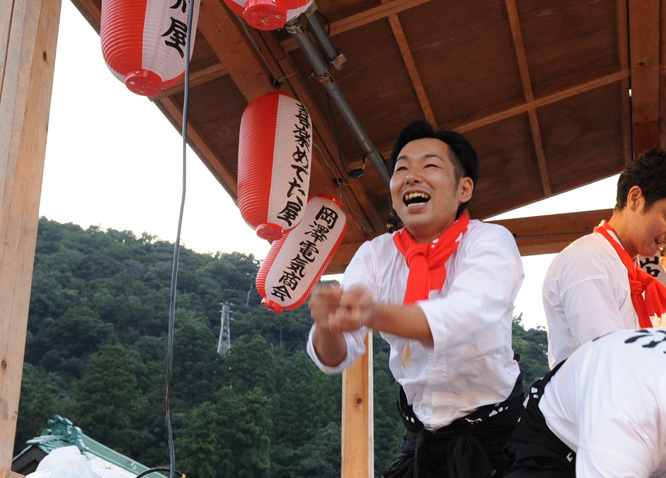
(585, 295)
(357, 272)
(482, 281)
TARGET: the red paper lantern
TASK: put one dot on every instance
(274, 152)
(268, 14)
(143, 41)
(296, 262)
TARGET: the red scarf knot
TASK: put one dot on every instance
(426, 262)
(654, 301)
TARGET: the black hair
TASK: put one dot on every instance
(465, 161)
(647, 172)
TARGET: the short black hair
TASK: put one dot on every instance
(465, 160)
(647, 172)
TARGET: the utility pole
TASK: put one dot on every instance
(224, 343)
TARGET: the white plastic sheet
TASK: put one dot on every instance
(68, 462)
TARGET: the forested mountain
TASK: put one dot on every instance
(95, 353)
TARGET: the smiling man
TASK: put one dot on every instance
(594, 286)
(440, 291)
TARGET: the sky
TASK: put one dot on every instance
(114, 161)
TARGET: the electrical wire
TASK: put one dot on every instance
(354, 173)
(176, 251)
(153, 470)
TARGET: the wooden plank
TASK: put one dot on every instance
(413, 72)
(360, 19)
(357, 417)
(229, 42)
(644, 32)
(523, 68)
(197, 77)
(623, 59)
(10, 474)
(24, 113)
(552, 233)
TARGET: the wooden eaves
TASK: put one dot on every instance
(534, 165)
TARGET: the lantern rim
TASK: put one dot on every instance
(269, 231)
(144, 82)
(272, 306)
(265, 14)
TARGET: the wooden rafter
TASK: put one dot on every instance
(623, 60)
(536, 103)
(408, 58)
(523, 68)
(644, 33)
(197, 77)
(368, 16)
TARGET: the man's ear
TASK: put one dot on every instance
(635, 198)
(465, 189)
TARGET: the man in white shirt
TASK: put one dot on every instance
(440, 291)
(598, 414)
(587, 291)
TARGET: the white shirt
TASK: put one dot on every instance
(585, 294)
(471, 362)
(605, 403)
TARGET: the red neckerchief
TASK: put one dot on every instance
(654, 302)
(426, 261)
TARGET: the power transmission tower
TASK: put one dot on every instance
(224, 343)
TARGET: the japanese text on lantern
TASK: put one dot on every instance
(177, 32)
(323, 223)
(296, 194)
(646, 266)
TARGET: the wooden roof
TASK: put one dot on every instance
(552, 95)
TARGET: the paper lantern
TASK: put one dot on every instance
(296, 262)
(274, 152)
(268, 14)
(143, 41)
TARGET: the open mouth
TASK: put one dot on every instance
(415, 199)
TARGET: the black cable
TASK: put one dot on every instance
(328, 23)
(153, 470)
(176, 251)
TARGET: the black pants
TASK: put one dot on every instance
(534, 451)
(469, 447)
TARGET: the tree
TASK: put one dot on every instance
(108, 400)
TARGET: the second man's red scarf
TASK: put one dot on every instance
(654, 302)
(426, 261)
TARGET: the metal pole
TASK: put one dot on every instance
(319, 67)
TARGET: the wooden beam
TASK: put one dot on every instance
(644, 43)
(197, 77)
(28, 65)
(526, 107)
(550, 234)
(408, 58)
(360, 19)
(623, 59)
(357, 417)
(9, 474)
(534, 235)
(229, 42)
(523, 68)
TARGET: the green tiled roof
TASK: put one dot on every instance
(62, 432)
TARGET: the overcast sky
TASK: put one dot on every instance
(113, 160)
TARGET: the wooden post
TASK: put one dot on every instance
(28, 34)
(358, 454)
(9, 474)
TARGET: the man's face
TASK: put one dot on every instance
(651, 229)
(424, 189)
(648, 234)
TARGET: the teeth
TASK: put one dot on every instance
(409, 198)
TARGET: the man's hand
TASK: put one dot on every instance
(323, 303)
(356, 309)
